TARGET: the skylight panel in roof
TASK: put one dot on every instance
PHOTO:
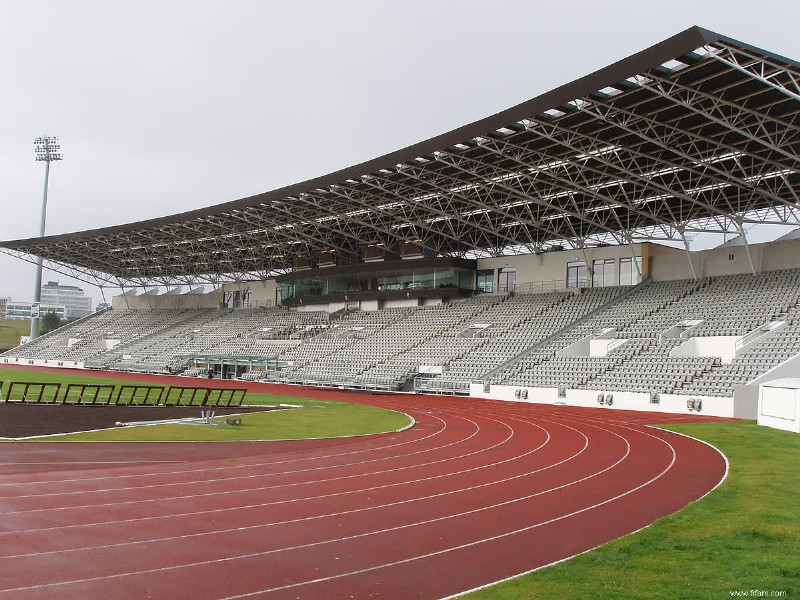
(706, 51)
(460, 146)
(579, 103)
(554, 112)
(770, 175)
(721, 157)
(505, 177)
(479, 211)
(598, 152)
(609, 90)
(504, 131)
(425, 197)
(639, 80)
(598, 209)
(674, 65)
(464, 188)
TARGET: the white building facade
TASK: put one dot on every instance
(71, 297)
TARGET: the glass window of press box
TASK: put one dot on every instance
(486, 280)
(606, 272)
(320, 284)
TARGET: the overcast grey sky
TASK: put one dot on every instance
(163, 106)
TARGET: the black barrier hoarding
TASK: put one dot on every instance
(36, 392)
(81, 393)
(139, 395)
(202, 396)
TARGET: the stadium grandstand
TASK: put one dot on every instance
(541, 254)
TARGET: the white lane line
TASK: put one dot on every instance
(336, 514)
(474, 542)
(253, 489)
(240, 465)
(85, 462)
(565, 559)
(254, 475)
(277, 502)
(383, 531)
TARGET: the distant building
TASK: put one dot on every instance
(69, 296)
(17, 311)
(66, 301)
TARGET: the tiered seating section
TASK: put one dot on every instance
(530, 340)
(153, 340)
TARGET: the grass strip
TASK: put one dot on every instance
(332, 419)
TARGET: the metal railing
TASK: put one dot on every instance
(550, 285)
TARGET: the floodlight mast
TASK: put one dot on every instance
(47, 150)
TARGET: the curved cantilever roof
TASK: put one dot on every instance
(699, 132)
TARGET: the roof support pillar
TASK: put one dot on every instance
(682, 231)
(124, 295)
(589, 266)
(636, 263)
(738, 221)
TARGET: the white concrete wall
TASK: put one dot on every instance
(401, 303)
(168, 300)
(65, 364)
(552, 266)
(779, 406)
(723, 346)
(668, 403)
(772, 256)
(262, 293)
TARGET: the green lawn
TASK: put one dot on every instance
(743, 536)
(316, 418)
(10, 332)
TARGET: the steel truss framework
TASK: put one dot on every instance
(699, 133)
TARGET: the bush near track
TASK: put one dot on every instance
(743, 537)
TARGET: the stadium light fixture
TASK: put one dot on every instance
(47, 150)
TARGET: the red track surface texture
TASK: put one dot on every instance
(475, 492)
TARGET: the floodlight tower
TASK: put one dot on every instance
(47, 150)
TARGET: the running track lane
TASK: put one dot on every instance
(475, 492)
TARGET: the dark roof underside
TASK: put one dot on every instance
(699, 132)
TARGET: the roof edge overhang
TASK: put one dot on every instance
(675, 46)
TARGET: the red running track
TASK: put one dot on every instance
(477, 491)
